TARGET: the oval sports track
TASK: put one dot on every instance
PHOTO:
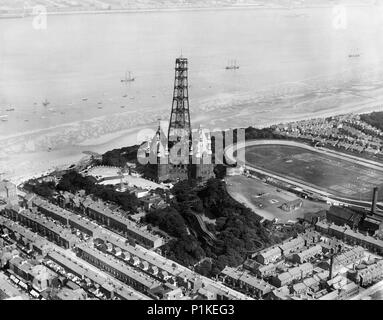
(334, 175)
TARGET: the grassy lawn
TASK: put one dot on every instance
(341, 178)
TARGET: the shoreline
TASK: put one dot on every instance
(176, 9)
(35, 164)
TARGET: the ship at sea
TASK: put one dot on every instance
(128, 77)
(355, 54)
(10, 109)
(46, 103)
(232, 65)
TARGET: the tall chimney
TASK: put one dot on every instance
(374, 200)
(331, 266)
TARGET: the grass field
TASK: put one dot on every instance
(339, 177)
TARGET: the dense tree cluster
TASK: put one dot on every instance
(72, 181)
(374, 119)
(44, 189)
(238, 229)
(169, 220)
(185, 250)
(119, 157)
(264, 133)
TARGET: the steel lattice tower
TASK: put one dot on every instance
(179, 125)
(175, 161)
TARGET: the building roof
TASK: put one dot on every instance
(123, 268)
(299, 287)
(268, 267)
(293, 243)
(231, 272)
(295, 271)
(130, 225)
(345, 214)
(255, 282)
(306, 267)
(337, 228)
(330, 296)
(310, 282)
(285, 276)
(322, 225)
(68, 294)
(146, 255)
(51, 226)
(30, 236)
(67, 263)
(270, 252)
(310, 251)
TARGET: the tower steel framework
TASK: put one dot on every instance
(179, 125)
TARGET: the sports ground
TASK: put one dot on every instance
(339, 177)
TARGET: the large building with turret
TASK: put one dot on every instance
(182, 153)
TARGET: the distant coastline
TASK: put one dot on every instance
(174, 9)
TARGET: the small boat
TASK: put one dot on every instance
(46, 103)
(232, 65)
(100, 107)
(10, 109)
(84, 99)
(122, 107)
(128, 77)
(100, 102)
(354, 54)
(125, 96)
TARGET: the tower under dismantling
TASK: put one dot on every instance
(182, 154)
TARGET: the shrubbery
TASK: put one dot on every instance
(72, 181)
(238, 229)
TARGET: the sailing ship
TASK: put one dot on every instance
(46, 103)
(355, 54)
(128, 77)
(232, 65)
